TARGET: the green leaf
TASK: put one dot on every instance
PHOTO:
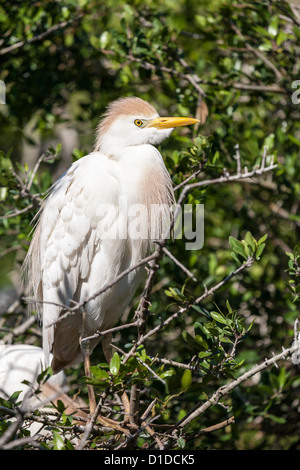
(114, 365)
(3, 193)
(202, 335)
(44, 375)
(175, 294)
(60, 406)
(246, 248)
(276, 419)
(186, 378)
(273, 26)
(229, 308)
(99, 373)
(181, 442)
(201, 341)
(167, 373)
(259, 250)
(58, 441)
(104, 39)
(218, 317)
(282, 377)
(193, 342)
(142, 353)
(251, 241)
(262, 239)
(203, 354)
(224, 339)
(269, 141)
(235, 258)
(237, 247)
(201, 310)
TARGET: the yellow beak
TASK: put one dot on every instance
(170, 122)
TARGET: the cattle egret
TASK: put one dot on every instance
(20, 365)
(85, 237)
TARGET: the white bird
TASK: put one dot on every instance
(87, 229)
(20, 365)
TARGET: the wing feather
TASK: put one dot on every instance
(67, 237)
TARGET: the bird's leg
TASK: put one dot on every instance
(86, 351)
(85, 347)
(87, 371)
(106, 340)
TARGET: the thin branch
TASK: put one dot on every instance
(258, 54)
(41, 159)
(226, 179)
(213, 289)
(255, 87)
(213, 428)
(22, 441)
(151, 371)
(180, 265)
(19, 330)
(170, 362)
(184, 308)
(149, 409)
(78, 305)
(192, 78)
(189, 178)
(199, 409)
(18, 212)
(237, 156)
(41, 36)
(90, 425)
(109, 331)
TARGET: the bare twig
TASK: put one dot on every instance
(199, 409)
(192, 78)
(18, 212)
(180, 265)
(41, 36)
(226, 179)
(109, 331)
(213, 289)
(18, 330)
(189, 178)
(22, 441)
(237, 156)
(89, 426)
(258, 54)
(255, 87)
(78, 305)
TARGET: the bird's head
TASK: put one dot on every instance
(133, 121)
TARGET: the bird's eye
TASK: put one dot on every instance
(138, 122)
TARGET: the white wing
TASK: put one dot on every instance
(67, 260)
